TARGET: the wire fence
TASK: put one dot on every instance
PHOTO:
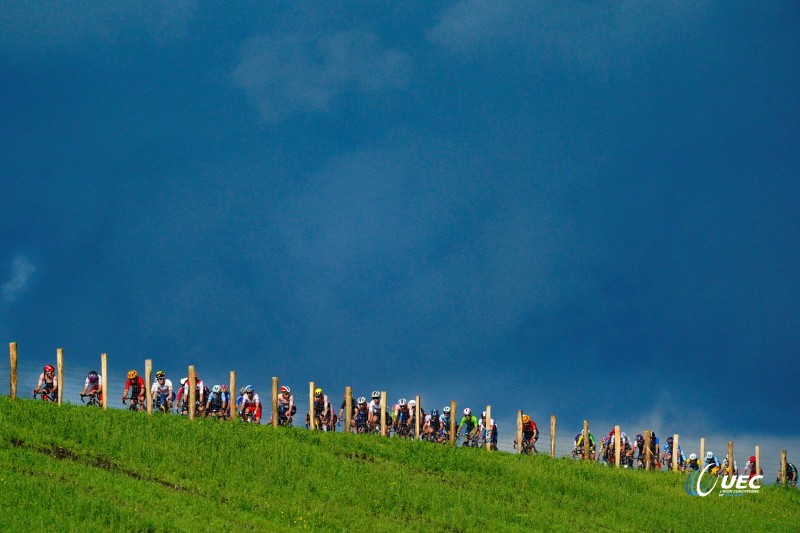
(74, 379)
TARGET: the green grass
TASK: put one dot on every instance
(75, 468)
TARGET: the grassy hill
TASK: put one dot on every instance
(70, 468)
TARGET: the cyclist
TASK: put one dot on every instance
(751, 467)
(724, 470)
(136, 385)
(360, 416)
(251, 405)
(791, 475)
(472, 427)
(161, 391)
(375, 409)
(216, 403)
(530, 434)
(403, 418)
(226, 395)
(488, 436)
(579, 445)
(446, 417)
(48, 381)
(322, 411)
(712, 460)
(286, 406)
(93, 385)
(239, 399)
(693, 463)
(432, 428)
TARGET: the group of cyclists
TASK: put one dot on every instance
(400, 419)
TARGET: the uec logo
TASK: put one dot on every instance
(731, 485)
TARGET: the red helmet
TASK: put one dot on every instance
(49, 369)
(285, 389)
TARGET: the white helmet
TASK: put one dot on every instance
(709, 455)
(376, 394)
(412, 403)
(184, 380)
(361, 399)
(467, 411)
(446, 409)
(483, 414)
(401, 402)
(692, 456)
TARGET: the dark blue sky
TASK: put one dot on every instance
(523, 204)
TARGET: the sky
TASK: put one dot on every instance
(581, 209)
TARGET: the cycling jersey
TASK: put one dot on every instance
(470, 421)
(579, 442)
(434, 422)
(529, 429)
(161, 388)
(250, 403)
(483, 432)
(374, 408)
(136, 386)
(87, 384)
(321, 406)
(215, 400)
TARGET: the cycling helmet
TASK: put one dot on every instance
(752, 458)
(435, 413)
(467, 411)
(394, 407)
(318, 392)
(132, 374)
(483, 414)
(446, 409)
(577, 436)
(412, 403)
(160, 374)
(709, 455)
(216, 388)
(525, 419)
(184, 380)
(669, 440)
(249, 389)
(93, 377)
(639, 437)
(224, 388)
(241, 391)
(624, 437)
(361, 400)
(401, 402)
(692, 456)
(376, 394)
(285, 390)
(49, 369)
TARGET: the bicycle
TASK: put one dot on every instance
(248, 417)
(94, 399)
(47, 395)
(162, 404)
(470, 440)
(136, 405)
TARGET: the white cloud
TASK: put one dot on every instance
(289, 74)
(21, 273)
(594, 36)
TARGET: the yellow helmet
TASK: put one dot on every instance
(318, 392)
(132, 374)
(525, 419)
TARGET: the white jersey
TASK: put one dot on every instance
(87, 383)
(163, 389)
(374, 408)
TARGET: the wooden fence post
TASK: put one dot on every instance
(758, 460)
(647, 450)
(586, 446)
(348, 408)
(675, 453)
(148, 371)
(60, 363)
(453, 415)
(274, 402)
(234, 394)
(311, 418)
(553, 436)
(384, 429)
(617, 445)
(783, 468)
(703, 448)
(417, 409)
(488, 428)
(104, 379)
(519, 432)
(730, 458)
(12, 354)
(192, 391)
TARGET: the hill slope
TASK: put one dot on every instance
(62, 465)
